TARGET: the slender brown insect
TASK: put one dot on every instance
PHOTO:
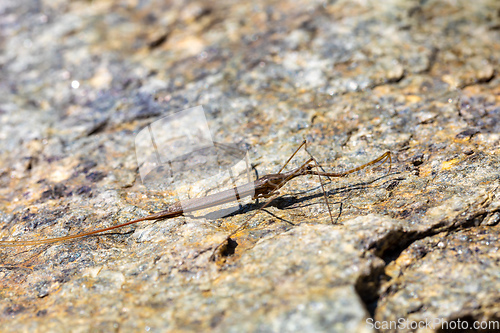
(264, 187)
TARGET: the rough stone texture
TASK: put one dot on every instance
(78, 80)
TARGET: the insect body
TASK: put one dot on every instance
(264, 187)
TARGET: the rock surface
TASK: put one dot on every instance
(79, 80)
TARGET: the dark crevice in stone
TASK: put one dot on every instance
(229, 248)
(367, 287)
(477, 81)
(390, 247)
(98, 127)
(159, 41)
(224, 250)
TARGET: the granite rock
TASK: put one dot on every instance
(79, 80)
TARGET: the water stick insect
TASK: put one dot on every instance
(264, 187)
